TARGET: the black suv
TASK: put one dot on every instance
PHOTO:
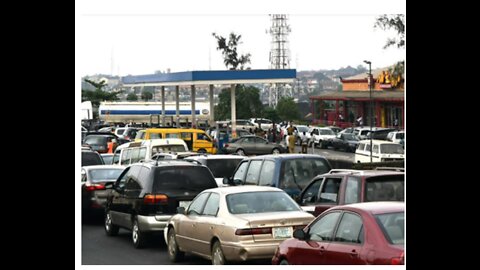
(146, 195)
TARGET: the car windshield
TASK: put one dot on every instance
(385, 188)
(393, 227)
(350, 137)
(260, 202)
(95, 140)
(223, 167)
(391, 149)
(99, 175)
(326, 132)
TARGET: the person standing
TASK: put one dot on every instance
(291, 139)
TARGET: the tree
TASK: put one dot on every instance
(248, 103)
(272, 114)
(98, 95)
(287, 109)
(132, 97)
(229, 51)
(146, 95)
(397, 22)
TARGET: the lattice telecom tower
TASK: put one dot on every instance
(279, 54)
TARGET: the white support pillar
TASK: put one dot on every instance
(192, 96)
(233, 111)
(177, 106)
(163, 106)
(212, 106)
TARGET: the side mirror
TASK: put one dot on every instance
(299, 234)
(226, 181)
(181, 210)
(109, 185)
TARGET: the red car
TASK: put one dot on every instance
(362, 233)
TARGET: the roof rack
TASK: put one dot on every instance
(395, 169)
(332, 171)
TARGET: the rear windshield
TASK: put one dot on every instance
(297, 173)
(104, 174)
(260, 202)
(222, 167)
(192, 178)
(400, 135)
(91, 158)
(95, 140)
(391, 149)
(393, 227)
(385, 188)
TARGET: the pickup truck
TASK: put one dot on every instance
(339, 187)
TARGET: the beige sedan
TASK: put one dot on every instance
(234, 224)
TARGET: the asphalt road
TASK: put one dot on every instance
(100, 249)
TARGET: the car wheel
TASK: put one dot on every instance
(241, 152)
(138, 237)
(275, 151)
(174, 253)
(110, 228)
(284, 262)
(217, 254)
(202, 151)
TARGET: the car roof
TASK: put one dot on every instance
(378, 142)
(216, 157)
(243, 188)
(95, 167)
(373, 207)
(287, 156)
(366, 173)
(169, 163)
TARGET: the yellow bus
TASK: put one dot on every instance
(196, 139)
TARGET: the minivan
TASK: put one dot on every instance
(196, 139)
(382, 151)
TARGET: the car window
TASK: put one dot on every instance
(222, 167)
(100, 175)
(352, 191)
(253, 172)
(391, 149)
(297, 173)
(385, 188)
(329, 192)
(186, 178)
(197, 204)
(240, 173)
(350, 229)
(322, 230)
(211, 208)
(375, 148)
(310, 196)
(266, 174)
(120, 184)
(393, 227)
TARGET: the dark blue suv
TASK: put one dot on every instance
(289, 172)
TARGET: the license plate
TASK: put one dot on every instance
(184, 204)
(282, 232)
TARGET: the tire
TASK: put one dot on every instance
(110, 228)
(240, 152)
(275, 151)
(174, 253)
(138, 237)
(284, 262)
(202, 151)
(217, 254)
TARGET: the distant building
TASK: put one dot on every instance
(345, 107)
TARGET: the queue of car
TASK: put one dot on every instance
(290, 208)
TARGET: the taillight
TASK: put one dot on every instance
(253, 231)
(226, 145)
(398, 260)
(155, 199)
(92, 187)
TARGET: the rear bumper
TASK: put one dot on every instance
(243, 252)
(153, 223)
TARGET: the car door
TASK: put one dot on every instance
(319, 235)
(249, 146)
(117, 203)
(187, 233)
(207, 223)
(262, 146)
(347, 244)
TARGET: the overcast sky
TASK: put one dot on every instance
(136, 39)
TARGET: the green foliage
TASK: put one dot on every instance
(397, 22)
(146, 95)
(287, 109)
(98, 94)
(248, 103)
(229, 51)
(272, 114)
(132, 97)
